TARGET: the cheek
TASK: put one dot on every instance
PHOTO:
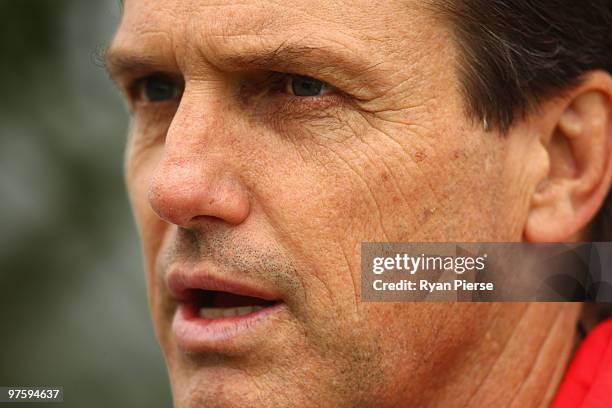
(422, 346)
(387, 187)
(378, 186)
(139, 167)
(443, 186)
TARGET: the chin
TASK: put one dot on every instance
(220, 387)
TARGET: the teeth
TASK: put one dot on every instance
(217, 312)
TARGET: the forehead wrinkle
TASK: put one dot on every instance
(260, 52)
(244, 39)
(342, 60)
(246, 36)
(135, 50)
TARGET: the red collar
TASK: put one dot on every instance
(588, 381)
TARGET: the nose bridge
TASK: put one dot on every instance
(195, 177)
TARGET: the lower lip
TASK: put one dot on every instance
(199, 334)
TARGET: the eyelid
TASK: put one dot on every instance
(272, 83)
(325, 87)
(266, 94)
(135, 88)
(281, 82)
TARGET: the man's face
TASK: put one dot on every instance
(249, 178)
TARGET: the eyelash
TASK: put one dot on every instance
(137, 92)
(273, 83)
(276, 85)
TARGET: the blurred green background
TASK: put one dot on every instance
(73, 302)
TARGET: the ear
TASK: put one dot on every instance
(579, 148)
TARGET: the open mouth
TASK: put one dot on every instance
(215, 314)
(213, 304)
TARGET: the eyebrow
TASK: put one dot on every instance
(291, 55)
(118, 63)
(327, 61)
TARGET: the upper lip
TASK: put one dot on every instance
(181, 282)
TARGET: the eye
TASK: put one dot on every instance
(157, 88)
(304, 86)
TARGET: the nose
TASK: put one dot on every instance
(194, 178)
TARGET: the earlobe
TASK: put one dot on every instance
(550, 210)
(580, 165)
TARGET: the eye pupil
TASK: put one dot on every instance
(305, 86)
(159, 89)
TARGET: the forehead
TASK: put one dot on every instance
(180, 28)
(250, 16)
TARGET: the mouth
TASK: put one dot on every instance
(214, 315)
(214, 305)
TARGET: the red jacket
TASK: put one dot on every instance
(588, 381)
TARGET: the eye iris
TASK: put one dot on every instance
(159, 89)
(305, 86)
